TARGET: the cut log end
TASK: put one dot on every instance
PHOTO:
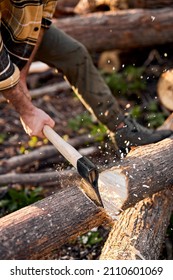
(114, 192)
(109, 61)
(165, 89)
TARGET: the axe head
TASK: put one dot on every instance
(89, 173)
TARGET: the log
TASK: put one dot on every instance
(42, 153)
(165, 89)
(140, 231)
(146, 170)
(37, 178)
(36, 230)
(120, 30)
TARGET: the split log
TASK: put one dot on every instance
(120, 30)
(140, 231)
(165, 89)
(146, 170)
(36, 230)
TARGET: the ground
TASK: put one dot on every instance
(64, 107)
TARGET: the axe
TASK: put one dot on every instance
(87, 170)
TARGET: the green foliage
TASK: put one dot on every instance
(84, 122)
(136, 112)
(130, 80)
(151, 114)
(91, 238)
(154, 117)
(2, 137)
(80, 121)
(33, 142)
(16, 199)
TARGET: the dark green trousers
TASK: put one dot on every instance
(71, 58)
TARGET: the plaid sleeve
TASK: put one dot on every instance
(9, 73)
(48, 12)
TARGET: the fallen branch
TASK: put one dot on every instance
(43, 153)
(120, 30)
(140, 231)
(37, 178)
(46, 90)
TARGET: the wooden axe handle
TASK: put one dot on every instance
(69, 152)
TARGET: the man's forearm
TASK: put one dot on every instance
(18, 98)
(33, 119)
(17, 94)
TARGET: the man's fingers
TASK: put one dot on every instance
(34, 123)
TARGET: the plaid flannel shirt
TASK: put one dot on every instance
(20, 23)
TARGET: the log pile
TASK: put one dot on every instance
(142, 180)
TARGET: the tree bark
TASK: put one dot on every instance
(120, 30)
(140, 231)
(34, 231)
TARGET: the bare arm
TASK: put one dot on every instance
(33, 119)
